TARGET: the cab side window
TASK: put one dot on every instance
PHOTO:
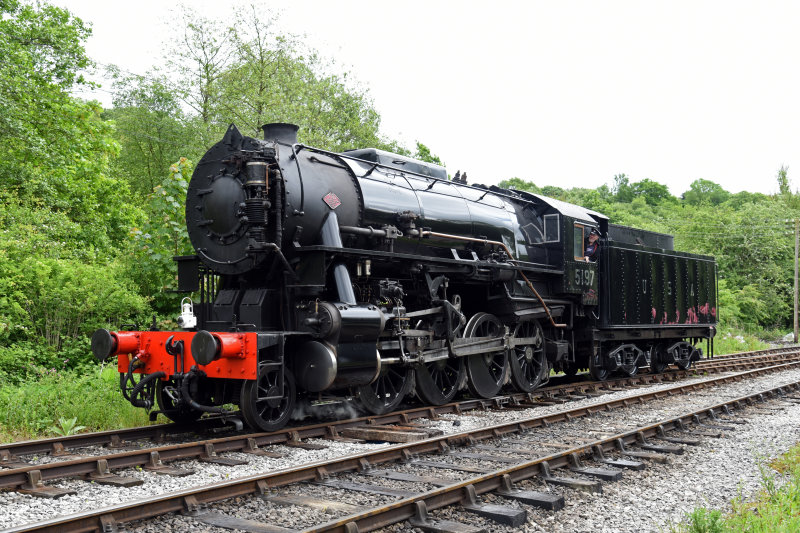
(578, 241)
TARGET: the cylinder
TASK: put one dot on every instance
(357, 364)
(315, 366)
(360, 323)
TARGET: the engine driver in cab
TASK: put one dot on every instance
(592, 246)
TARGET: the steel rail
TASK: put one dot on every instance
(261, 483)
(456, 493)
(159, 432)
(21, 476)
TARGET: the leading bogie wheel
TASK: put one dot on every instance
(264, 405)
(486, 372)
(387, 392)
(528, 362)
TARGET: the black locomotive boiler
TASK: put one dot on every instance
(369, 276)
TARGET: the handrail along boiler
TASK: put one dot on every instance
(369, 277)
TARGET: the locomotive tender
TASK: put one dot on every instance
(370, 276)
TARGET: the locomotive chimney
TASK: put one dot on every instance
(281, 132)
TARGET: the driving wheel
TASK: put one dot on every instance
(528, 362)
(439, 381)
(486, 372)
(388, 390)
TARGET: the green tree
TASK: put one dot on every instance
(654, 193)
(197, 60)
(64, 215)
(784, 186)
(703, 191)
(55, 150)
(42, 55)
(520, 185)
(249, 74)
(553, 191)
(622, 188)
(162, 237)
(151, 128)
(423, 153)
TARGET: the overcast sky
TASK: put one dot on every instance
(558, 93)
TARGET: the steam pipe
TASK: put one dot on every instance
(278, 208)
(186, 395)
(366, 232)
(331, 237)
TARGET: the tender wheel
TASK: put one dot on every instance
(629, 370)
(682, 354)
(439, 381)
(486, 372)
(683, 364)
(388, 391)
(528, 363)
(656, 365)
(262, 405)
(596, 369)
(167, 396)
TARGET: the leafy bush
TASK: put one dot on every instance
(162, 237)
(60, 299)
(30, 409)
(730, 340)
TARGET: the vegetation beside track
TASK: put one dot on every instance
(775, 509)
(736, 340)
(35, 409)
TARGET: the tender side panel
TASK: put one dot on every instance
(649, 287)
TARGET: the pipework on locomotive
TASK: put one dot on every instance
(369, 277)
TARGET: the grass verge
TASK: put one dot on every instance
(775, 509)
(731, 340)
(34, 408)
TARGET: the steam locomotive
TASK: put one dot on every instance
(368, 276)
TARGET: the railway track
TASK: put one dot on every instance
(561, 387)
(192, 501)
(96, 456)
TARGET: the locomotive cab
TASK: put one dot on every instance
(580, 271)
(567, 251)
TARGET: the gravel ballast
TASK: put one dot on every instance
(709, 474)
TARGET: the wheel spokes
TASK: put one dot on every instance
(486, 371)
(528, 362)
